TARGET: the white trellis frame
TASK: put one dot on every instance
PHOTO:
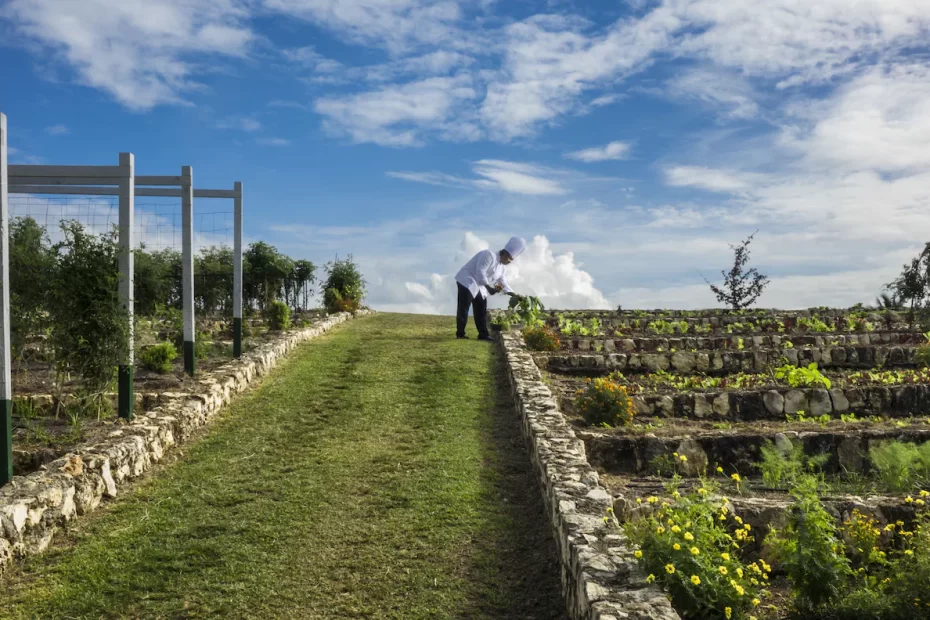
(120, 181)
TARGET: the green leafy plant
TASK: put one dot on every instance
(527, 309)
(603, 401)
(690, 545)
(158, 358)
(802, 377)
(901, 466)
(809, 549)
(278, 315)
(784, 468)
(813, 324)
(540, 338)
(922, 355)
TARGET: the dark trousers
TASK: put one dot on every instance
(479, 305)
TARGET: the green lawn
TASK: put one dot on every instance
(377, 473)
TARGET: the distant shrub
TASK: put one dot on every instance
(344, 288)
(158, 358)
(540, 338)
(923, 355)
(901, 466)
(278, 315)
(603, 401)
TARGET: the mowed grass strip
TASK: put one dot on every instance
(378, 473)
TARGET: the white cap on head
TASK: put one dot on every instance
(515, 246)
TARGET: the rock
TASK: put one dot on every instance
(628, 345)
(74, 466)
(783, 444)
(665, 406)
(696, 463)
(774, 402)
(655, 361)
(702, 362)
(849, 453)
(722, 404)
(795, 400)
(820, 403)
(702, 406)
(683, 362)
(840, 403)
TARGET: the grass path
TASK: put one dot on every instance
(378, 473)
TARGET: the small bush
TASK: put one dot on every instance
(540, 339)
(344, 288)
(603, 401)
(691, 546)
(278, 315)
(901, 466)
(923, 356)
(158, 358)
(810, 550)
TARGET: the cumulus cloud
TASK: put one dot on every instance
(612, 151)
(495, 174)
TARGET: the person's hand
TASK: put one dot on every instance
(491, 290)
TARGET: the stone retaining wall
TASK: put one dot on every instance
(33, 507)
(729, 362)
(638, 454)
(774, 404)
(600, 579)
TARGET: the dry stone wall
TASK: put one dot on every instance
(600, 579)
(34, 507)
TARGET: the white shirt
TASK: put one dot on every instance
(484, 269)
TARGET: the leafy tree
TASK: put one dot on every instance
(157, 280)
(32, 266)
(265, 271)
(213, 284)
(912, 287)
(344, 288)
(741, 287)
(89, 330)
(298, 284)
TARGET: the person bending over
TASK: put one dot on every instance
(483, 275)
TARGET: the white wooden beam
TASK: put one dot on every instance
(187, 270)
(6, 384)
(237, 270)
(30, 180)
(87, 172)
(58, 189)
(126, 396)
(157, 180)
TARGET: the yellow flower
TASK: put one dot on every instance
(908, 500)
(723, 517)
(919, 502)
(639, 500)
(739, 573)
(684, 459)
(689, 536)
(747, 527)
(637, 554)
(739, 589)
(695, 551)
(735, 477)
(755, 602)
(660, 530)
(725, 556)
(676, 529)
(723, 570)
(719, 469)
(676, 547)
(652, 500)
(670, 569)
(650, 578)
(925, 493)
(908, 552)
(695, 580)
(889, 527)
(728, 612)
(702, 491)
(738, 520)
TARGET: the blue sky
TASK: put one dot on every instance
(631, 142)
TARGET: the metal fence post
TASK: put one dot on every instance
(6, 387)
(187, 258)
(127, 190)
(237, 271)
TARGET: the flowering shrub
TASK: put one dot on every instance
(691, 546)
(604, 402)
(540, 338)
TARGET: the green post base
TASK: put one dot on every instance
(237, 338)
(6, 441)
(190, 358)
(127, 396)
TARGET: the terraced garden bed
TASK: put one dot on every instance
(723, 404)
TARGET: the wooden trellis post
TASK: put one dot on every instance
(187, 257)
(127, 189)
(237, 270)
(6, 386)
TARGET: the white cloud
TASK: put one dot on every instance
(710, 179)
(273, 142)
(506, 176)
(283, 103)
(142, 52)
(239, 123)
(605, 100)
(401, 115)
(397, 25)
(57, 130)
(611, 152)
(310, 58)
(720, 90)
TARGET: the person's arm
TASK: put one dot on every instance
(504, 287)
(481, 271)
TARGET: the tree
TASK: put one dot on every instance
(741, 287)
(912, 287)
(265, 272)
(299, 281)
(213, 284)
(32, 265)
(157, 280)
